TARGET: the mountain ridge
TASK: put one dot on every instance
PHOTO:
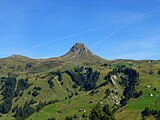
(77, 53)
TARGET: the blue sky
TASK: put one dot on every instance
(112, 29)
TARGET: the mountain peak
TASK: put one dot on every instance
(80, 49)
(79, 52)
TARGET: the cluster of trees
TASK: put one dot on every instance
(24, 112)
(8, 90)
(138, 94)
(36, 90)
(50, 82)
(115, 70)
(130, 83)
(28, 109)
(107, 92)
(69, 118)
(108, 78)
(57, 73)
(100, 112)
(84, 77)
(28, 65)
(22, 85)
(147, 111)
(106, 64)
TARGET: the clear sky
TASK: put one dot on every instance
(112, 29)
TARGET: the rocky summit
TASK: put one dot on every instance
(80, 53)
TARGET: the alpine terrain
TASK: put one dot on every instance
(79, 86)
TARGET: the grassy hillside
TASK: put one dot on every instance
(67, 95)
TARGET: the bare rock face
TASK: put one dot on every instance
(80, 49)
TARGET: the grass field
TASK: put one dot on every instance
(38, 76)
